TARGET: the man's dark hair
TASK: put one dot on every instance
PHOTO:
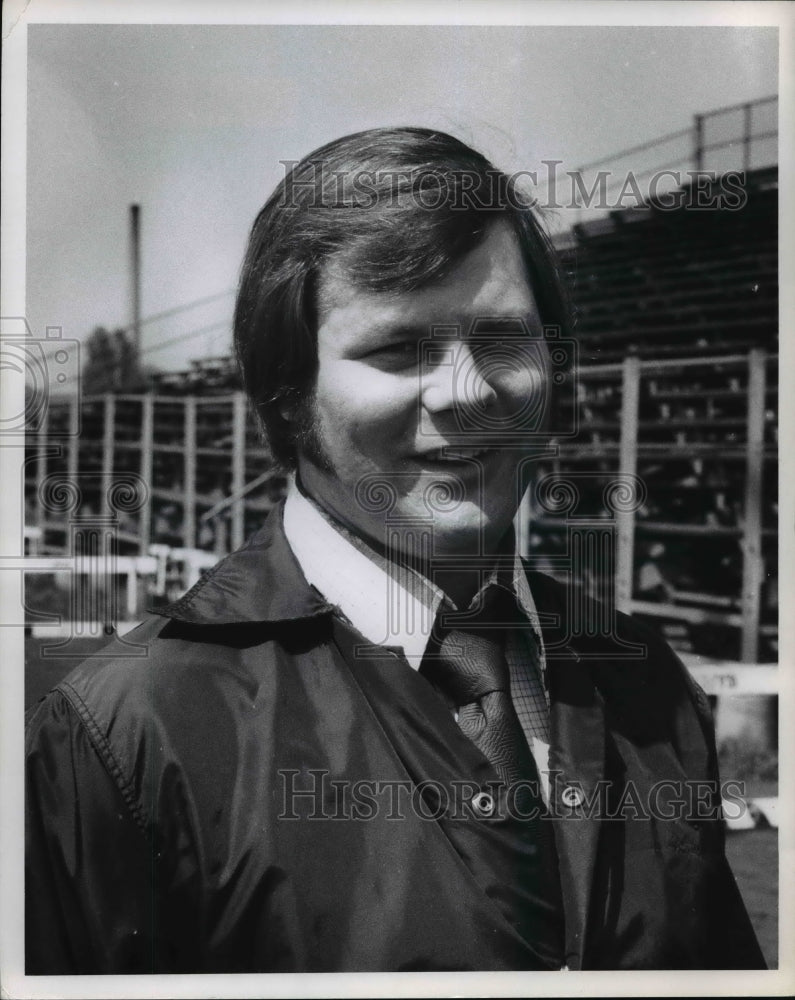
(397, 208)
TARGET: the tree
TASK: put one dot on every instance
(112, 363)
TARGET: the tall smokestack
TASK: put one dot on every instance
(135, 263)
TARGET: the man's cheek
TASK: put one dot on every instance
(368, 452)
(377, 431)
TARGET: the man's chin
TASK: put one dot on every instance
(467, 530)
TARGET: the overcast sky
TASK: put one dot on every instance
(192, 121)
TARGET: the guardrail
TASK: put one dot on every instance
(737, 137)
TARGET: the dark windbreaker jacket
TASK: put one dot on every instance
(167, 831)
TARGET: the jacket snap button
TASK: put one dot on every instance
(483, 804)
(571, 797)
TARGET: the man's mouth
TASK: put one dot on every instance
(452, 454)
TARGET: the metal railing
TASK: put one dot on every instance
(738, 137)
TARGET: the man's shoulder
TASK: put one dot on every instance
(195, 648)
(131, 675)
(570, 606)
(627, 656)
(169, 695)
(146, 674)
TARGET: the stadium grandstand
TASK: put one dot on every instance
(675, 397)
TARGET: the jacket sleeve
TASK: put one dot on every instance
(89, 899)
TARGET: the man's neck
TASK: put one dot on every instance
(459, 572)
(390, 604)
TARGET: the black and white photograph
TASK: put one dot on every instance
(391, 411)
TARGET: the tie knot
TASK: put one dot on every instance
(466, 654)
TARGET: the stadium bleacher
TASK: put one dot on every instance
(660, 282)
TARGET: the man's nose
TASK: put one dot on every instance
(457, 381)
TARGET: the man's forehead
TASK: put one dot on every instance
(491, 280)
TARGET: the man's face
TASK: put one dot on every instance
(384, 406)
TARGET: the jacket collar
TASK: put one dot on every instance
(260, 582)
(263, 582)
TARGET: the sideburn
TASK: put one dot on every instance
(307, 440)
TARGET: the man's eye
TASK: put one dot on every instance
(399, 352)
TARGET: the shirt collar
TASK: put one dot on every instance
(389, 603)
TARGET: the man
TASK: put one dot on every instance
(369, 740)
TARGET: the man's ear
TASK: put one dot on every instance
(288, 406)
